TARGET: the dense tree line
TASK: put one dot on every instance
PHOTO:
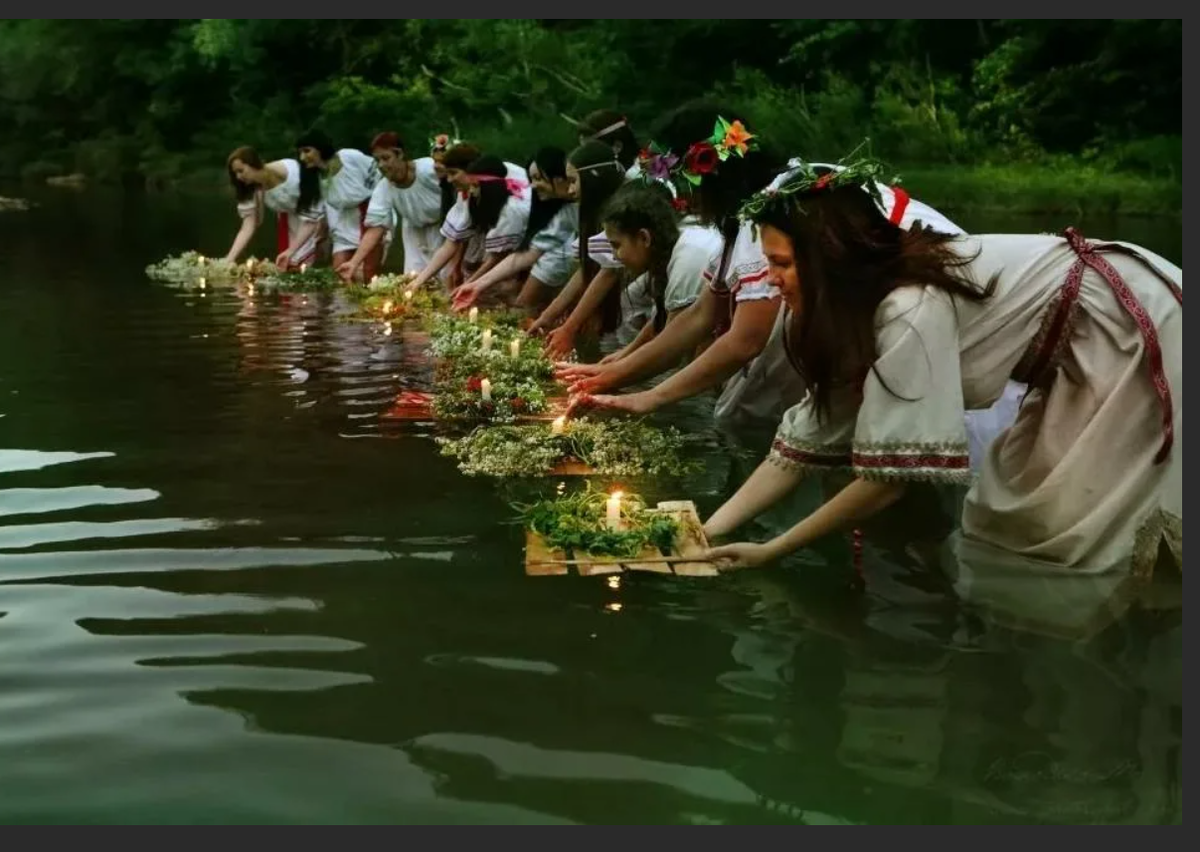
(160, 98)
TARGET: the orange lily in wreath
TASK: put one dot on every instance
(731, 137)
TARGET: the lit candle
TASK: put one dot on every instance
(387, 329)
(559, 425)
(514, 348)
(200, 260)
(387, 306)
(374, 278)
(485, 388)
(303, 267)
(250, 291)
(202, 282)
(613, 510)
(473, 315)
(250, 264)
(487, 340)
(408, 294)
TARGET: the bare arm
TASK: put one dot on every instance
(769, 484)
(511, 265)
(858, 501)
(565, 298)
(366, 245)
(644, 336)
(745, 340)
(693, 325)
(489, 262)
(593, 297)
(445, 253)
(306, 230)
(243, 237)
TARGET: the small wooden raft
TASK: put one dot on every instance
(685, 560)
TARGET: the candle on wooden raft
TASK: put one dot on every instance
(613, 510)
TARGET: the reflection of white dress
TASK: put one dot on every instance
(1077, 481)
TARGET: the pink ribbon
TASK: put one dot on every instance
(516, 188)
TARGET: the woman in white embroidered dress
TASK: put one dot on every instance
(545, 249)
(275, 186)
(898, 332)
(594, 175)
(410, 193)
(495, 208)
(660, 250)
(343, 179)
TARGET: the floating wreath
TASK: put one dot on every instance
(387, 297)
(576, 522)
(466, 400)
(305, 279)
(191, 266)
(608, 447)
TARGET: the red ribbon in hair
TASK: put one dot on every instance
(516, 188)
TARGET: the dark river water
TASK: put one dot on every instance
(230, 593)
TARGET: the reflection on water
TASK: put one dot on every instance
(218, 606)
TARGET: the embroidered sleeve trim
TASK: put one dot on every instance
(946, 462)
(805, 455)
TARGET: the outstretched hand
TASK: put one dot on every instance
(465, 296)
(743, 554)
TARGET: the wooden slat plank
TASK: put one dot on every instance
(538, 557)
(595, 569)
(650, 552)
(692, 541)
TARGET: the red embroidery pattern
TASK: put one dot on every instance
(910, 462)
(831, 458)
(1089, 255)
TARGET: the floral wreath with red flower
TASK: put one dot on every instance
(805, 178)
(701, 158)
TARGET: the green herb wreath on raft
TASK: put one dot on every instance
(576, 522)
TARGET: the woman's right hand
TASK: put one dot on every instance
(283, 261)
(561, 341)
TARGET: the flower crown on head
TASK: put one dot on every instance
(701, 158)
(442, 142)
(804, 178)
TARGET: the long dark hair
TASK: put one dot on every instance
(638, 206)
(600, 175)
(249, 156)
(458, 156)
(489, 201)
(621, 139)
(552, 163)
(848, 258)
(310, 178)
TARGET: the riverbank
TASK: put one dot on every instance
(1075, 190)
